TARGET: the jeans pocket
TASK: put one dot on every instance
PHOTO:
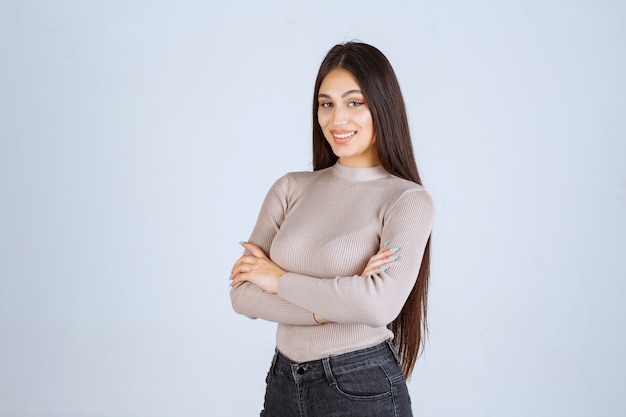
(367, 383)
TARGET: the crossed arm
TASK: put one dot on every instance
(373, 298)
(259, 270)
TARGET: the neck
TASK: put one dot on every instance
(359, 173)
(365, 162)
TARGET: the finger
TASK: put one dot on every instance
(236, 267)
(387, 250)
(383, 258)
(382, 255)
(247, 264)
(372, 270)
(386, 245)
(369, 270)
(254, 249)
(246, 259)
(239, 278)
(377, 266)
(385, 261)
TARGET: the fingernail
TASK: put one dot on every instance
(392, 257)
(386, 242)
(242, 242)
(384, 267)
(393, 250)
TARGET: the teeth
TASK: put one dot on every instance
(343, 135)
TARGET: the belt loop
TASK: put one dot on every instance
(393, 350)
(329, 372)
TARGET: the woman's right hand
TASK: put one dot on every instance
(380, 262)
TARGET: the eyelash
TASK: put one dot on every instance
(350, 104)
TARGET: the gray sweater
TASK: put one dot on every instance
(323, 227)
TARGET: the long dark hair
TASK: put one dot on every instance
(381, 90)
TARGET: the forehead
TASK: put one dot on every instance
(338, 81)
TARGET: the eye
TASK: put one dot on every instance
(326, 105)
(355, 104)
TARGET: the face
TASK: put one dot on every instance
(346, 120)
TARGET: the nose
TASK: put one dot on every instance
(340, 116)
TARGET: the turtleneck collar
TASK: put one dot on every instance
(359, 174)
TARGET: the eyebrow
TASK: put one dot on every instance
(347, 93)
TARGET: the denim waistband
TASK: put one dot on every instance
(346, 362)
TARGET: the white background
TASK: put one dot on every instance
(138, 139)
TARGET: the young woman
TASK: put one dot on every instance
(339, 257)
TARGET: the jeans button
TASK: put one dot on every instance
(300, 371)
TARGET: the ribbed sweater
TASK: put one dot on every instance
(322, 227)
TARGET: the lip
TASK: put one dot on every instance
(342, 136)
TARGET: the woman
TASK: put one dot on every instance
(339, 257)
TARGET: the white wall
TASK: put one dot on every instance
(137, 140)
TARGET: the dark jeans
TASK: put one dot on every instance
(363, 383)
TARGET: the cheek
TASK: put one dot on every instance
(366, 122)
(322, 119)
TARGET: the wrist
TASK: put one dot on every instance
(319, 319)
(280, 276)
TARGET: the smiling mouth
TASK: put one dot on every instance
(343, 136)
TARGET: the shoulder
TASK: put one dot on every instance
(299, 179)
(400, 188)
(402, 185)
(405, 195)
(295, 183)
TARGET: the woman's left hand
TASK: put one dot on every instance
(257, 269)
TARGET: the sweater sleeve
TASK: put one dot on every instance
(375, 300)
(247, 298)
